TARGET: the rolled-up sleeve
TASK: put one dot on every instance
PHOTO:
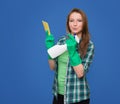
(87, 60)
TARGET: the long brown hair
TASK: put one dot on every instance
(85, 33)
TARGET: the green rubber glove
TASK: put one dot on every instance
(49, 41)
(73, 54)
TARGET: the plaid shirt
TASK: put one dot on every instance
(76, 89)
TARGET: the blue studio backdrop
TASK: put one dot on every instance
(25, 77)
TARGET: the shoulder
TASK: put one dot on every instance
(62, 40)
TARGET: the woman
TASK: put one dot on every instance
(70, 83)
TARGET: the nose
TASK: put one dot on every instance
(75, 23)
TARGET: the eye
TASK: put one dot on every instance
(79, 20)
(71, 20)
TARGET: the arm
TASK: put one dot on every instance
(52, 64)
(79, 70)
(55, 51)
(74, 56)
(49, 42)
(82, 69)
(79, 66)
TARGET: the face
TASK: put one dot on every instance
(75, 23)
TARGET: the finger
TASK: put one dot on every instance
(80, 73)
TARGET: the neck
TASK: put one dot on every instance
(79, 35)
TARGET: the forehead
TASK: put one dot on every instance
(75, 15)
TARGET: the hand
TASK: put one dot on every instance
(71, 44)
(73, 54)
(79, 70)
(49, 41)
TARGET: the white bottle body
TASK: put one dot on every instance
(57, 50)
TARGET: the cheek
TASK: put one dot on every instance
(81, 24)
(70, 25)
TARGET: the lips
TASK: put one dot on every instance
(75, 29)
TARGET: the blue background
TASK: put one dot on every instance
(25, 77)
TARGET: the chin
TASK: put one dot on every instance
(75, 32)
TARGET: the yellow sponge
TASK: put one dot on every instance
(46, 26)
